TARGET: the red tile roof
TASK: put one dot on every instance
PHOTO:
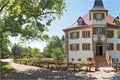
(110, 20)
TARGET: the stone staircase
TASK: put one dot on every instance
(101, 61)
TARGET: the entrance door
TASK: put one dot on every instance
(99, 49)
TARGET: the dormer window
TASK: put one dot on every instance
(117, 21)
(80, 21)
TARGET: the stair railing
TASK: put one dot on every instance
(108, 59)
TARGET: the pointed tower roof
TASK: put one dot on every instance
(98, 5)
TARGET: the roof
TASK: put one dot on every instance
(88, 23)
(98, 5)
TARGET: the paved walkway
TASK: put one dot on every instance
(105, 73)
(20, 67)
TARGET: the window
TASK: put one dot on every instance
(110, 46)
(98, 16)
(79, 59)
(89, 59)
(117, 21)
(98, 30)
(72, 59)
(110, 34)
(74, 35)
(74, 47)
(80, 21)
(86, 46)
(118, 47)
(86, 34)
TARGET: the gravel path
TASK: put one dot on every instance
(20, 67)
(26, 72)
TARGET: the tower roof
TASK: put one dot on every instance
(98, 5)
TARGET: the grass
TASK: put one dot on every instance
(5, 67)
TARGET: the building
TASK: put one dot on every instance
(93, 37)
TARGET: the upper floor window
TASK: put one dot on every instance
(86, 46)
(110, 46)
(74, 47)
(80, 21)
(86, 34)
(98, 30)
(117, 21)
(118, 47)
(74, 35)
(98, 16)
(110, 33)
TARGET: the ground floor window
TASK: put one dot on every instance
(86, 46)
(110, 46)
(118, 47)
(74, 47)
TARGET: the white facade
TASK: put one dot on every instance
(99, 20)
(114, 53)
(80, 54)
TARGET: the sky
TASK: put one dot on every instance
(75, 9)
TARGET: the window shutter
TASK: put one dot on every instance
(103, 31)
(103, 16)
(77, 46)
(118, 46)
(71, 35)
(71, 47)
(83, 34)
(111, 46)
(83, 46)
(94, 16)
(77, 34)
(94, 30)
(112, 34)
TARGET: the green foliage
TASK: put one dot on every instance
(118, 33)
(28, 19)
(57, 54)
(30, 53)
(16, 51)
(54, 48)
(5, 68)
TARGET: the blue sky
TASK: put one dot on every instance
(75, 9)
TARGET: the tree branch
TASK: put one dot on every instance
(4, 6)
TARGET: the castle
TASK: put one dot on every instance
(93, 37)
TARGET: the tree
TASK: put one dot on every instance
(28, 18)
(54, 48)
(16, 51)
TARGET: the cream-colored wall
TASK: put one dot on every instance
(83, 55)
(114, 53)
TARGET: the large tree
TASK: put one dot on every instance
(28, 18)
(55, 48)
